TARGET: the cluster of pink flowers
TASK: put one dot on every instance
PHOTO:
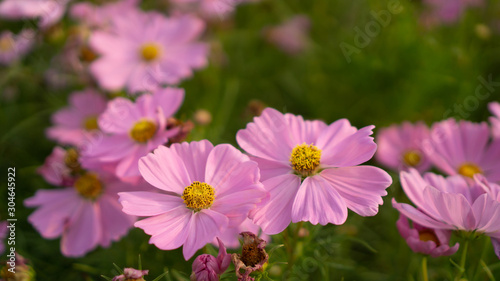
(466, 200)
(132, 62)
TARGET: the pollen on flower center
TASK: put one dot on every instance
(412, 158)
(89, 186)
(305, 159)
(150, 52)
(428, 236)
(469, 170)
(143, 131)
(71, 160)
(198, 195)
(90, 123)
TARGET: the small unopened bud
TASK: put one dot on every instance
(202, 117)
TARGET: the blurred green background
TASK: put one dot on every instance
(406, 72)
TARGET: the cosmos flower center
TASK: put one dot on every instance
(428, 236)
(469, 170)
(198, 195)
(6, 44)
(251, 255)
(89, 186)
(412, 158)
(90, 123)
(143, 131)
(150, 52)
(305, 159)
(71, 160)
(87, 55)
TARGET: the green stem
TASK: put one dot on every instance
(462, 260)
(425, 275)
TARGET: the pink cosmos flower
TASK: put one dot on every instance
(400, 146)
(311, 170)
(145, 50)
(291, 36)
(14, 47)
(208, 268)
(61, 167)
(76, 124)
(494, 108)
(85, 216)
(447, 11)
(452, 203)
(132, 130)
(210, 9)
(231, 234)
(433, 242)
(48, 11)
(206, 189)
(463, 148)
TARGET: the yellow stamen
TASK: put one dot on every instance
(412, 158)
(198, 195)
(90, 123)
(305, 159)
(143, 131)
(89, 186)
(469, 170)
(428, 236)
(71, 160)
(150, 52)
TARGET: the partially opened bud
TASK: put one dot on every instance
(208, 268)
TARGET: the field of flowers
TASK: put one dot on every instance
(249, 140)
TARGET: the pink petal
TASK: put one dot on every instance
(352, 150)
(194, 156)
(487, 212)
(142, 203)
(271, 169)
(111, 73)
(317, 201)
(115, 223)
(169, 99)
(304, 131)
(419, 217)
(414, 185)
(56, 207)
(361, 187)
(225, 164)
(119, 117)
(83, 232)
(203, 228)
(267, 137)
(274, 216)
(165, 170)
(452, 208)
(335, 133)
(169, 230)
